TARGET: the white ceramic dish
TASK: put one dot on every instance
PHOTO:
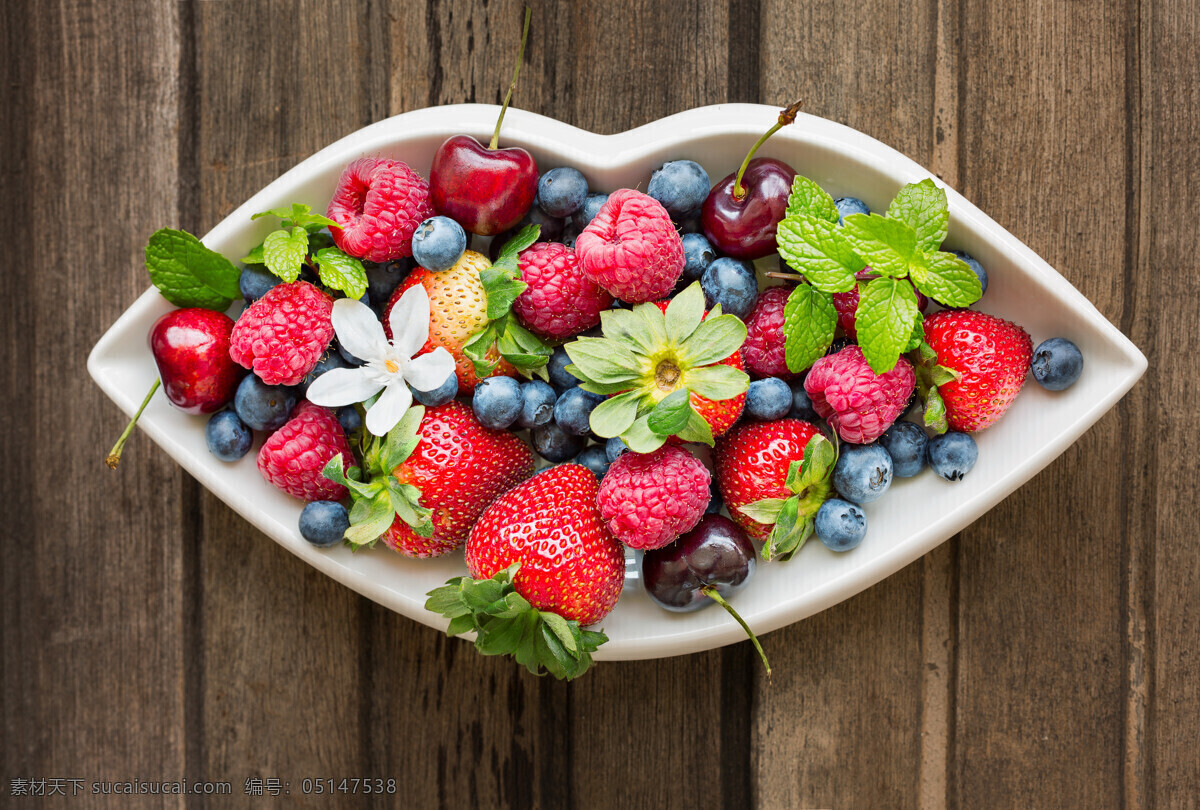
(912, 519)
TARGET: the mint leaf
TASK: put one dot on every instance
(809, 321)
(818, 250)
(809, 198)
(284, 252)
(922, 207)
(888, 245)
(341, 271)
(672, 414)
(887, 309)
(298, 215)
(949, 281)
(253, 257)
(188, 274)
(501, 290)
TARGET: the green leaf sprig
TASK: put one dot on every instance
(378, 497)
(188, 274)
(506, 624)
(905, 243)
(502, 285)
(792, 518)
(299, 241)
(653, 362)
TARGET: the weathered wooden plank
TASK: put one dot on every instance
(93, 628)
(280, 690)
(842, 723)
(1041, 628)
(1163, 298)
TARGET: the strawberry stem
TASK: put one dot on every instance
(516, 72)
(712, 593)
(786, 116)
(114, 455)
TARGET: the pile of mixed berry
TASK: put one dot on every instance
(416, 352)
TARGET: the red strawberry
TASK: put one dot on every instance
(752, 464)
(991, 357)
(570, 564)
(293, 456)
(460, 467)
(457, 312)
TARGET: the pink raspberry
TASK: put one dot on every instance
(763, 349)
(283, 334)
(561, 301)
(859, 404)
(631, 248)
(377, 206)
(648, 500)
(293, 456)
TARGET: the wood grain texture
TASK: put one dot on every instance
(1041, 686)
(92, 669)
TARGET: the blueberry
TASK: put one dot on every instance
(574, 409)
(554, 444)
(698, 254)
(690, 222)
(550, 229)
(768, 399)
(680, 185)
(440, 395)
(537, 404)
(350, 359)
(556, 367)
(849, 205)
(329, 361)
(497, 402)
(383, 279)
(587, 212)
(975, 266)
(952, 455)
(324, 523)
(613, 448)
(349, 418)
(594, 459)
(838, 344)
(715, 501)
(262, 406)
(802, 407)
(227, 436)
(840, 525)
(863, 472)
(1057, 363)
(438, 243)
(255, 281)
(562, 191)
(730, 283)
(569, 235)
(905, 443)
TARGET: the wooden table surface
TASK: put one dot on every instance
(1046, 657)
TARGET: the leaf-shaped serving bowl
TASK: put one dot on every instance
(913, 518)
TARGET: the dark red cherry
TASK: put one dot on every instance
(715, 554)
(744, 227)
(191, 349)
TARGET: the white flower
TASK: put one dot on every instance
(387, 365)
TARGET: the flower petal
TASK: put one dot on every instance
(427, 372)
(343, 386)
(358, 330)
(409, 320)
(389, 409)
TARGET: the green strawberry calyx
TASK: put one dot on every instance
(299, 243)
(378, 497)
(652, 362)
(903, 244)
(502, 285)
(930, 376)
(792, 518)
(505, 623)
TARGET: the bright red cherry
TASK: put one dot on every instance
(485, 189)
(742, 211)
(191, 349)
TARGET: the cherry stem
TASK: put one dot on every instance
(114, 455)
(787, 276)
(516, 72)
(786, 116)
(712, 593)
